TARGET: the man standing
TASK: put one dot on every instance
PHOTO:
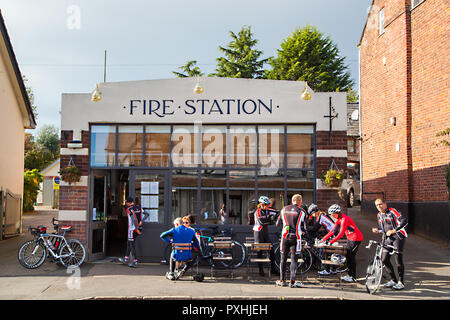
(291, 239)
(392, 223)
(134, 230)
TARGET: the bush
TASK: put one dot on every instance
(31, 182)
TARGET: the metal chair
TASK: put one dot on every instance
(258, 253)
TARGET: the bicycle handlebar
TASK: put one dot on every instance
(394, 251)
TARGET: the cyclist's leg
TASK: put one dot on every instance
(294, 260)
(386, 259)
(399, 245)
(352, 248)
(283, 260)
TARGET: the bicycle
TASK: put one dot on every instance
(238, 252)
(375, 269)
(305, 256)
(33, 253)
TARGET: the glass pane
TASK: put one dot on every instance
(213, 178)
(130, 146)
(210, 205)
(271, 146)
(242, 179)
(214, 146)
(184, 194)
(300, 148)
(150, 191)
(98, 210)
(242, 146)
(185, 150)
(157, 146)
(270, 178)
(306, 195)
(103, 145)
(300, 179)
(241, 203)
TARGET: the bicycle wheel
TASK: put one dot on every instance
(32, 254)
(302, 267)
(74, 258)
(373, 276)
(239, 254)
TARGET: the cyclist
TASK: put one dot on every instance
(354, 238)
(263, 218)
(392, 223)
(293, 217)
(181, 235)
(320, 221)
(134, 230)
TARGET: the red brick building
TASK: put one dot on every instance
(404, 76)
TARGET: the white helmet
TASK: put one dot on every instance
(335, 208)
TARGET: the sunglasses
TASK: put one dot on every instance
(186, 222)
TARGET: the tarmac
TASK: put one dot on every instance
(427, 276)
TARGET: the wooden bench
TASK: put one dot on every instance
(328, 251)
(222, 255)
(254, 252)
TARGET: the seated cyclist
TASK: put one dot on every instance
(180, 235)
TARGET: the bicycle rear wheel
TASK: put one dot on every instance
(76, 258)
(302, 267)
(32, 254)
(373, 276)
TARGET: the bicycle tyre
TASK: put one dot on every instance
(78, 253)
(302, 267)
(239, 254)
(32, 254)
(374, 275)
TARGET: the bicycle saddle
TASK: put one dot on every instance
(66, 228)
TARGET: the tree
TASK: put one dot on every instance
(241, 60)
(30, 96)
(31, 181)
(307, 55)
(189, 70)
(48, 137)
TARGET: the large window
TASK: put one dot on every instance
(215, 167)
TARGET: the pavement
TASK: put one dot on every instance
(427, 276)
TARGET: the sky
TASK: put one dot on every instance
(60, 44)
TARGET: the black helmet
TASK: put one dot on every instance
(313, 208)
(130, 199)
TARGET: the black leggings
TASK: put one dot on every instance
(131, 247)
(289, 246)
(386, 258)
(350, 255)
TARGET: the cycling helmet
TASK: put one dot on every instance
(264, 200)
(335, 208)
(337, 258)
(313, 208)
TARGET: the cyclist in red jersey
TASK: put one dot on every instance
(354, 238)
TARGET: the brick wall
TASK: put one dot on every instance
(78, 231)
(430, 98)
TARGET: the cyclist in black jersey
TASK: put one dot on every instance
(392, 223)
(293, 217)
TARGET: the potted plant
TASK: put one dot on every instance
(333, 178)
(70, 174)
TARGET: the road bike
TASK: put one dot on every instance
(305, 256)
(206, 237)
(33, 253)
(375, 268)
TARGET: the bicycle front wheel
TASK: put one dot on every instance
(373, 276)
(32, 254)
(73, 255)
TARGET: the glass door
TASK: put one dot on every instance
(151, 191)
(99, 209)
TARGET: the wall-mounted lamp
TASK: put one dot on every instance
(306, 95)
(393, 121)
(198, 88)
(96, 94)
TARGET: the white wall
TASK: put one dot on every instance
(287, 106)
(12, 135)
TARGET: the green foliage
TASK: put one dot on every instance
(30, 96)
(307, 55)
(70, 174)
(43, 150)
(240, 59)
(48, 137)
(333, 178)
(31, 182)
(189, 70)
(445, 132)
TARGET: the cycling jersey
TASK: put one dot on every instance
(263, 217)
(392, 219)
(347, 227)
(181, 234)
(134, 221)
(293, 217)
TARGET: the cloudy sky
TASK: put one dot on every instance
(60, 44)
